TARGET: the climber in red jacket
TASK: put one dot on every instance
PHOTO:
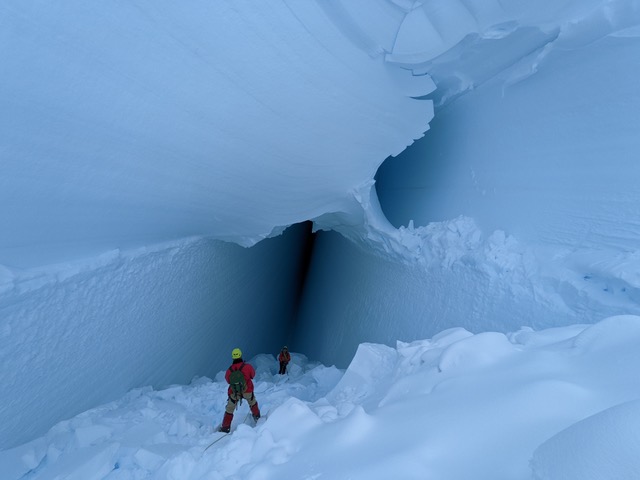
(284, 358)
(239, 376)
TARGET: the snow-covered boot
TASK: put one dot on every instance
(226, 422)
(255, 411)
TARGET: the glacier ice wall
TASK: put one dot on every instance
(129, 125)
(518, 207)
(77, 335)
(126, 126)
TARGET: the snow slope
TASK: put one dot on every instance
(560, 403)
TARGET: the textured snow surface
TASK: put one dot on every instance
(135, 136)
(560, 403)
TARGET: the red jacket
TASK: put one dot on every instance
(247, 371)
(284, 357)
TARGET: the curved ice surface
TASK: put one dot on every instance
(131, 124)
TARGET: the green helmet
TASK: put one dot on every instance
(236, 353)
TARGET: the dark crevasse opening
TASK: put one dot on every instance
(175, 311)
(410, 184)
(307, 240)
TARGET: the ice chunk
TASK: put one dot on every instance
(16, 462)
(93, 463)
(90, 435)
(371, 366)
(291, 413)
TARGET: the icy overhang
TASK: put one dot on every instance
(459, 45)
(136, 123)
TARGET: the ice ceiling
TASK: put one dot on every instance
(128, 124)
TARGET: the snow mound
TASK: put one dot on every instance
(610, 333)
(604, 445)
(524, 405)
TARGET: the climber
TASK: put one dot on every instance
(284, 358)
(239, 377)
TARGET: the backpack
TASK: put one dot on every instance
(237, 382)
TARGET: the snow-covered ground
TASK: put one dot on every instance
(137, 136)
(561, 403)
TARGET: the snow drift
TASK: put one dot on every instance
(547, 404)
(135, 137)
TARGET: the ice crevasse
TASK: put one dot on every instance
(135, 135)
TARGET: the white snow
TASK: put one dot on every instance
(560, 403)
(76, 335)
(604, 445)
(144, 143)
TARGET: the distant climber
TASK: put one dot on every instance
(239, 376)
(284, 358)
